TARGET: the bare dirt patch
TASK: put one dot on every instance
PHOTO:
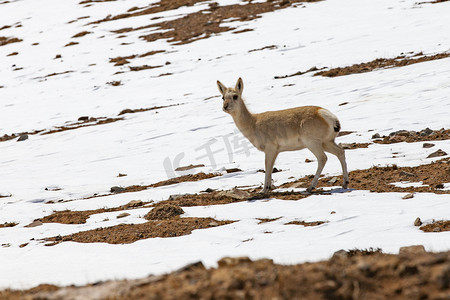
(350, 274)
(80, 217)
(436, 226)
(84, 121)
(410, 136)
(376, 64)
(4, 40)
(267, 220)
(122, 60)
(8, 224)
(129, 233)
(202, 24)
(306, 224)
(379, 179)
(164, 211)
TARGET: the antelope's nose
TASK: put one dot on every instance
(225, 106)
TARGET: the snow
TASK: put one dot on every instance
(148, 146)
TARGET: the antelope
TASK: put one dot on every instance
(272, 132)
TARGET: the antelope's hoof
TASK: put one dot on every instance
(345, 185)
(310, 189)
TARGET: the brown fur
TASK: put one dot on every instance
(291, 129)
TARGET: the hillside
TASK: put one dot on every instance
(117, 161)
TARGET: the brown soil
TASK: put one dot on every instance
(267, 220)
(71, 44)
(353, 146)
(424, 135)
(436, 226)
(303, 223)
(122, 60)
(8, 40)
(80, 217)
(378, 179)
(129, 233)
(198, 25)
(376, 64)
(82, 121)
(81, 34)
(432, 2)
(413, 274)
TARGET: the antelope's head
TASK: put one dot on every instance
(232, 97)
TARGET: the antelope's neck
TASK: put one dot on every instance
(245, 121)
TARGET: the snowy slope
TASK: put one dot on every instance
(148, 146)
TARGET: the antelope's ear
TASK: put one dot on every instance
(239, 86)
(221, 87)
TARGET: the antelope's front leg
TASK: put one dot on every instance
(270, 161)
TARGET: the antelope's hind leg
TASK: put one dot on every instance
(337, 150)
(317, 150)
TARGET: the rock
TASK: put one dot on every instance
(417, 222)
(308, 160)
(117, 189)
(333, 180)
(376, 136)
(233, 170)
(213, 224)
(437, 153)
(22, 137)
(439, 186)
(232, 261)
(134, 203)
(126, 111)
(123, 215)
(397, 139)
(121, 175)
(192, 266)
(235, 194)
(404, 133)
(340, 254)
(208, 190)
(176, 196)
(35, 223)
(427, 131)
(408, 196)
(428, 145)
(403, 173)
(83, 118)
(437, 229)
(417, 249)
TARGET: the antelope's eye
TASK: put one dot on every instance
(235, 97)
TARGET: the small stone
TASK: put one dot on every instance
(404, 133)
(340, 254)
(417, 249)
(308, 160)
(333, 180)
(126, 111)
(428, 145)
(332, 212)
(208, 190)
(34, 224)
(417, 222)
(439, 186)
(117, 189)
(233, 170)
(22, 137)
(83, 118)
(135, 203)
(213, 224)
(235, 193)
(376, 136)
(397, 139)
(121, 175)
(123, 215)
(408, 196)
(426, 131)
(233, 261)
(437, 229)
(403, 173)
(437, 153)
